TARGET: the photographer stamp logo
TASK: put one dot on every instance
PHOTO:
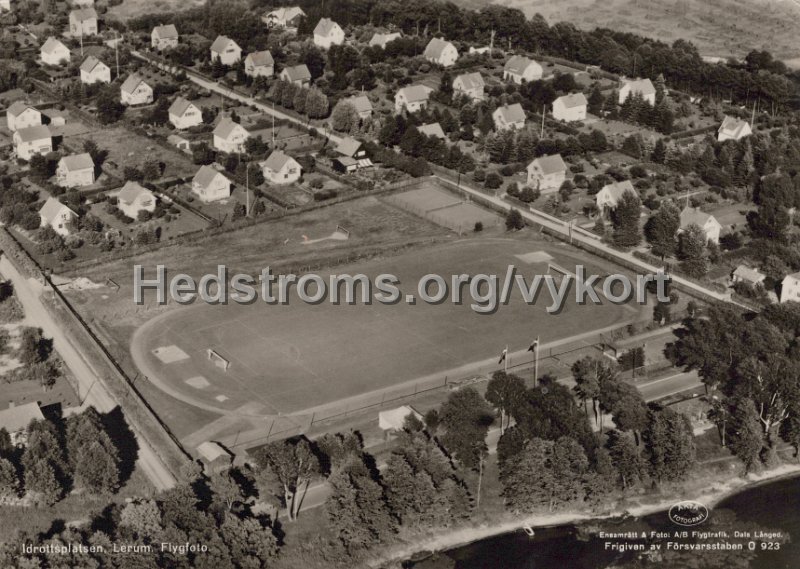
(688, 513)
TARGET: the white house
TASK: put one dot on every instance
(382, 39)
(94, 71)
(280, 168)
(608, 197)
(570, 108)
(733, 129)
(432, 129)
(747, 275)
(133, 198)
(328, 33)
(16, 419)
(225, 50)
(56, 215)
(259, 64)
(83, 22)
(470, 85)
(412, 98)
(184, 114)
(21, 115)
(53, 52)
(441, 52)
(32, 140)
(134, 91)
(547, 173)
(164, 37)
(644, 87)
(5, 5)
(519, 69)
(297, 74)
(361, 104)
(790, 288)
(75, 171)
(230, 136)
(287, 18)
(509, 117)
(707, 222)
(210, 185)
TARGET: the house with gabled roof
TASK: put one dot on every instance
(519, 68)
(56, 215)
(643, 87)
(32, 140)
(5, 6)
(134, 91)
(287, 18)
(412, 98)
(75, 171)
(53, 52)
(83, 22)
(351, 147)
(230, 136)
(259, 64)
(184, 114)
(22, 115)
(608, 197)
(733, 129)
(297, 74)
(790, 288)
(134, 198)
(707, 222)
(17, 418)
(570, 107)
(361, 104)
(509, 117)
(380, 40)
(547, 173)
(164, 37)
(432, 129)
(747, 275)
(470, 85)
(328, 33)
(210, 185)
(441, 52)
(280, 168)
(225, 50)
(94, 71)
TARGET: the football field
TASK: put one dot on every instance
(287, 358)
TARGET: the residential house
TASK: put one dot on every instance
(83, 22)
(479, 50)
(747, 275)
(287, 18)
(53, 52)
(53, 117)
(570, 108)
(21, 115)
(134, 91)
(518, 69)
(432, 129)
(75, 171)
(133, 198)
(547, 173)
(280, 168)
(733, 129)
(56, 215)
(32, 140)
(5, 5)
(412, 98)
(643, 87)
(214, 457)
(362, 105)
(184, 114)
(352, 156)
(790, 288)
(210, 185)
(328, 33)
(225, 50)
(509, 117)
(351, 147)
(179, 142)
(441, 52)
(707, 222)
(469, 84)
(230, 136)
(259, 64)
(608, 197)
(381, 40)
(94, 71)
(16, 419)
(164, 37)
(297, 74)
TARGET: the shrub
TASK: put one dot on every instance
(493, 181)
(478, 227)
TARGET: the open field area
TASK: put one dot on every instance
(719, 28)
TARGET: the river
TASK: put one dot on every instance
(773, 507)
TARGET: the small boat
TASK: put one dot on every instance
(529, 531)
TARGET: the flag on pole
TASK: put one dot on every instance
(503, 355)
(534, 346)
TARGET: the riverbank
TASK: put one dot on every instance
(719, 490)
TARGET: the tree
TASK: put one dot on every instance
(514, 220)
(9, 484)
(625, 218)
(669, 443)
(587, 386)
(41, 481)
(466, 417)
(505, 391)
(344, 117)
(295, 465)
(659, 153)
(314, 59)
(626, 458)
(251, 544)
(226, 488)
(746, 438)
(692, 250)
(661, 228)
(97, 465)
(109, 108)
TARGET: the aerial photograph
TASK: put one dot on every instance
(399, 284)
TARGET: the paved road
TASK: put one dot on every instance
(666, 386)
(91, 389)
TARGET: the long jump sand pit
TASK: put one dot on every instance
(297, 356)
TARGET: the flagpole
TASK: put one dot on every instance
(505, 361)
(536, 363)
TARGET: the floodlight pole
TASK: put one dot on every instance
(247, 187)
(536, 363)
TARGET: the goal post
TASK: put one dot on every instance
(217, 359)
(342, 230)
